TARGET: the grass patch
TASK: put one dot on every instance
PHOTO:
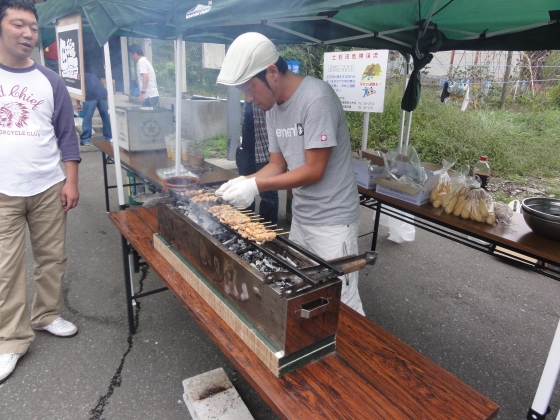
(554, 192)
(516, 143)
(215, 147)
(501, 196)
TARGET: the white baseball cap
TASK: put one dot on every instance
(248, 55)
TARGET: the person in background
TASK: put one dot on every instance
(36, 132)
(252, 155)
(96, 97)
(310, 153)
(147, 83)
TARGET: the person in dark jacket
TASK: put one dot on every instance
(96, 97)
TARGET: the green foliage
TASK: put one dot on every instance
(519, 143)
(501, 196)
(310, 57)
(554, 191)
(553, 60)
(215, 147)
(554, 95)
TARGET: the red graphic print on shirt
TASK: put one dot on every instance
(323, 137)
(13, 114)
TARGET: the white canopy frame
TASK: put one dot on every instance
(179, 64)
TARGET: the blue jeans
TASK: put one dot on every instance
(89, 109)
(153, 101)
(269, 199)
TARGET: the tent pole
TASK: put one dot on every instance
(179, 63)
(233, 121)
(407, 138)
(41, 50)
(401, 129)
(365, 129)
(113, 118)
(430, 17)
(548, 378)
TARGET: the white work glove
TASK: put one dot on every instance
(242, 193)
(224, 187)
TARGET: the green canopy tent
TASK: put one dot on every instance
(414, 27)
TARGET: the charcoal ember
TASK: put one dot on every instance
(230, 241)
(269, 264)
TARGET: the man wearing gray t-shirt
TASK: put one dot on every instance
(310, 152)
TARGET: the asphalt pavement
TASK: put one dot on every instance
(487, 322)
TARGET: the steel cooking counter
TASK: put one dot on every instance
(145, 165)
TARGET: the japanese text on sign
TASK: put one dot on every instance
(358, 78)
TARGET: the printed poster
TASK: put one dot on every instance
(358, 78)
(70, 54)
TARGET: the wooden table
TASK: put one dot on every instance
(516, 244)
(372, 375)
(145, 164)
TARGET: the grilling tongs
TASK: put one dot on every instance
(321, 274)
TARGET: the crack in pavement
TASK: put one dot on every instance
(106, 320)
(116, 380)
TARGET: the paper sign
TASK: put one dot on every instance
(358, 78)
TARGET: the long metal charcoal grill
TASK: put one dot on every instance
(291, 295)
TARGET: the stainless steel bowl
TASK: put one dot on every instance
(544, 208)
(542, 227)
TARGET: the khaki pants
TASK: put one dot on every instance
(46, 219)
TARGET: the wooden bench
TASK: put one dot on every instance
(372, 375)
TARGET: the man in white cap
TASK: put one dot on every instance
(310, 152)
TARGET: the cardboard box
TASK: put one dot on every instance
(416, 196)
(369, 155)
(363, 177)
(141, 129)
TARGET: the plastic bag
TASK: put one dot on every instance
(399, 231)
(479, 207)
(444, 185)
(404, 168)
(504, 214)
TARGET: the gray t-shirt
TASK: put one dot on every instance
(313, 118)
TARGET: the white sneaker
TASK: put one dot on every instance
(8, 364)
(62, 328)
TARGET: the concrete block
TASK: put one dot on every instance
(211, 395)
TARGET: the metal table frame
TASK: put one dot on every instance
(456, 234)
(108, 160)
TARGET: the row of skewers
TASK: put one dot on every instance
(200, 196)
(245, 222)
